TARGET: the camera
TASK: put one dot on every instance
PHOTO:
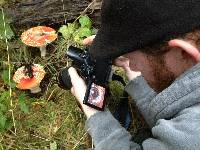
(81, 61)
(96, 74)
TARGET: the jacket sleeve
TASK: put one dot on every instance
(108, 134)
(181, 132)
(139, 89)
(142, 94)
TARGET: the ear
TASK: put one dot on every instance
(187, 47)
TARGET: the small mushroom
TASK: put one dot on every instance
(29, 78)
(39, 36)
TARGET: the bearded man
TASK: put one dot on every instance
(159, 42)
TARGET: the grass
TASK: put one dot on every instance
(52, 118)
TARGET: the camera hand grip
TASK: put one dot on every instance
(64, 79)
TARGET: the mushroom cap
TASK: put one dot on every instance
(25, 82)
(38, 36)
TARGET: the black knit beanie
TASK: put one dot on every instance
(128, 25)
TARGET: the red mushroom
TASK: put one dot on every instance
(39, 36)
(24, 81)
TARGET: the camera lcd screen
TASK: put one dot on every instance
(96, 96)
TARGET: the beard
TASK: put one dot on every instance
(163, 77)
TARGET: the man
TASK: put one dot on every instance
(160, 44)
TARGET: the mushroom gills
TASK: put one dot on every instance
(36, 89)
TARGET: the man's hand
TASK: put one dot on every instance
(79, 87)
(124, 63)
(78, 90)
(88, 40)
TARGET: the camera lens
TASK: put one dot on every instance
(64, 80)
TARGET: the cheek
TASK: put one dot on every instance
(174, 64)
(137, 62)
(134, 66)
(140, 62)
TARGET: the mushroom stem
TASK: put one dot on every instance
(36, 89)
(43, 51)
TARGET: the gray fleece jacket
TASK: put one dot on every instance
(173, 115)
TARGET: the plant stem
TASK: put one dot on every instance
(85, 10)
(43, 51)
(63, 7)
(9, 71)
(36, 89)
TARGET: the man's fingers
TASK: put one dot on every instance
(73, 75)
(121, 61)
(72, 91)
(88, 40)
(121, 58)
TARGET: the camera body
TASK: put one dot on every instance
(95, 76)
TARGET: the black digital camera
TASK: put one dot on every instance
(95, 76)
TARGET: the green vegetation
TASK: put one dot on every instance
(9, 32)
(75, 32)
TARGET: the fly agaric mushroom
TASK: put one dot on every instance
(39, 36)
(26, 81)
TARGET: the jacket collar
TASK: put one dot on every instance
(182, 93)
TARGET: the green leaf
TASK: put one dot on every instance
(67, 30)
(64, 31)
(3, 107)
(84, 32)
(9, 32)
(77, 39)
(5, 77)
(22, 103)
(5, 122)
(2, 121)
(85, 21)
(4, 97)
(9, 123)
(72, 27)
(53, 146)
(1, 147)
